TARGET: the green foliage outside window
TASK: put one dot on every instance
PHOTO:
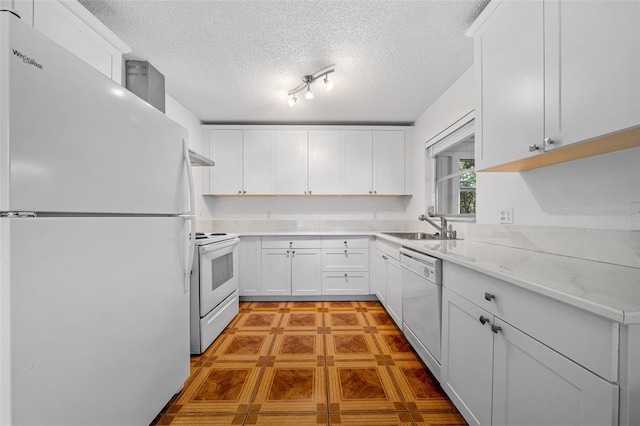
(467, 187)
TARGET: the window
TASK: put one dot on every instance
(451, 160)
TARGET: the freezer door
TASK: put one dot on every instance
(98, 321)
(72, 140)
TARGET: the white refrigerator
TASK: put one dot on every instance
(96, 213)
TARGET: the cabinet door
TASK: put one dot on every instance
(306, 272)
(291, 162)
(394, 291)
(249, 265)
(509, 58)
(534, 385)
(467, 357)
(276, 272)
(592, 64)
(357, 161)
(379, 282)
(259, 161)
(388, 162)
(58, 21)
(324, 162)
(225, 148)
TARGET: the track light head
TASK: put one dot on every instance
(328, 84)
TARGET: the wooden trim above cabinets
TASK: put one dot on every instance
(603, 145)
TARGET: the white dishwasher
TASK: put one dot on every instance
(421, 305)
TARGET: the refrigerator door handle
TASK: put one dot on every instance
(190, 216)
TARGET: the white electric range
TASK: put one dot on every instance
(214, 288)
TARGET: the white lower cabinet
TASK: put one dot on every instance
(291, 272)
(250, 266)
(291, 266)
(304, 266)
(276, 272)
(467, 357)
(387, 282)
(525, 370)
(345, 283)
(379, 282)
(306, 277)
(394, 291)
(345, 265)
(497, 374)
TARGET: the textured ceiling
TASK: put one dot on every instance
(234, 61)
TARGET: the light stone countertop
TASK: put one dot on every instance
(611, 291)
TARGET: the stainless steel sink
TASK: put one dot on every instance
(415, 235)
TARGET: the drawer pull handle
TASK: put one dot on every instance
(483, 320)
(489, 296)
(495, 328)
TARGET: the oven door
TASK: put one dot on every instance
(218, 273)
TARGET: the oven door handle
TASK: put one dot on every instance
(210, 248)
(191, 217)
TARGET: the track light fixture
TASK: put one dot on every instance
(308, 80)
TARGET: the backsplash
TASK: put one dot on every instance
(247, 226)
(616, 247)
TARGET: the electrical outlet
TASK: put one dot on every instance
(506, 215)
(375, 216)
(268, 214)
(635, 216)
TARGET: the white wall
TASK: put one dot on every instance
(181, 115)
(450, 107)
(593, 193)
(308, 208)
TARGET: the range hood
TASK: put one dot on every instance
(200, 160)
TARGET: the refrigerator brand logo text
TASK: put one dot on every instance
(26, 59)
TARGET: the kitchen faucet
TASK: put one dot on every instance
(442, 229)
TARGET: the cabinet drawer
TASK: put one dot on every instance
(345, 283)
(390, 249)
(286, 242)
(345, 260)
(345, 242)
(585, 338)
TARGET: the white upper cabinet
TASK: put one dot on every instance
(324, 162)
(73, 27)
(388, 162)
(373, 162)
(225, 148)
(294, 160)
(509, 58)
(357, 165)
(245, 162)
(291, 162)
(259, 161)
(552, 73)
(592, 69)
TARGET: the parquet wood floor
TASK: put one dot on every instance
(310, 363)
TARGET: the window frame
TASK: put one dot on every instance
(460, 131)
